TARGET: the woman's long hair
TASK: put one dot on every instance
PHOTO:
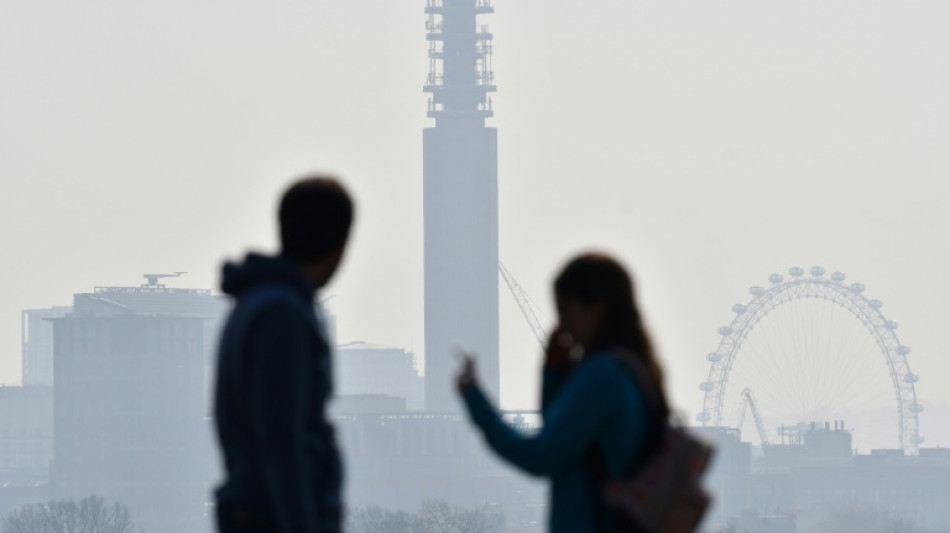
(594, 278)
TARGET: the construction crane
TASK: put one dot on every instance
(523, 303)
(748, 401)
(153, 278)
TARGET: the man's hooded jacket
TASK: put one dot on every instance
(273, 382)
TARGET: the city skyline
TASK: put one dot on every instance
(712, 147)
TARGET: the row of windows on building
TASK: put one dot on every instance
(27, 446)
(24, 462)
(17, 433)
(152, 330)
(164, 346)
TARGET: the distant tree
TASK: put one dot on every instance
(89, 515)
(433, 517)
(378, 520)
(437, 517)
(483, 520)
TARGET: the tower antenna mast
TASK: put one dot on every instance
(152, 279)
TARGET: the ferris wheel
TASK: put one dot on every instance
(814, 349)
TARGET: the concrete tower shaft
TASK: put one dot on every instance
(460, 204)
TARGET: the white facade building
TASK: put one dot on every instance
(36, 339)
(363, 369)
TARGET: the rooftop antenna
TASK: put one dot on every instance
(153, 279)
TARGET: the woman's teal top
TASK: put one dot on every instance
(597, 405)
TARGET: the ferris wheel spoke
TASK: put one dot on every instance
(853, 399)
(781, 352)
(773, 393)
(843, 378)
(770, 381)
(803, 353)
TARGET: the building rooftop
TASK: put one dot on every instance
(361, 345)
(149, 300)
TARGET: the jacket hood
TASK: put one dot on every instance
(256, 269)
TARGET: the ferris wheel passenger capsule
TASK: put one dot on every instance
(891, 325)
(857, 288)
(876, 304)
(838, 276)
(724, 330)
(918, 439)
(796, 272)
(738, 309)
(707, 386)
(817, 271)
(776, 278)
(911, 378)
(903, 350)
(713, 357)
(703, 417)
(755, 290)
(916, 408)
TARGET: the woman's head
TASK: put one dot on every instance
(597, 307)
(595, 301)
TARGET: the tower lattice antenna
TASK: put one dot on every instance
(460, 50)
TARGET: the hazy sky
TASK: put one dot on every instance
(708, 144)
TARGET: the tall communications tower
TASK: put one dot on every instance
(460, 204)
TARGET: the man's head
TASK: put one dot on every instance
(315, 216)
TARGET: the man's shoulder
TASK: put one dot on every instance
(272, 296)
(269, 301)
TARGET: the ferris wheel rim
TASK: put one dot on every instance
(849, 297)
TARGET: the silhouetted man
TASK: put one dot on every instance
(283, 472)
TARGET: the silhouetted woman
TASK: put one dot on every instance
(595, 415)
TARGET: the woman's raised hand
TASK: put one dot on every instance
(558, 350)
(466, 377)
